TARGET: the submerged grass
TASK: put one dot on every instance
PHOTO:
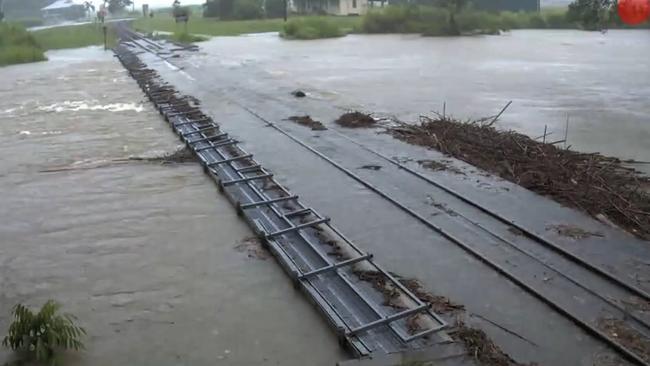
(18, 46)
(187, 38)
(312, 28)
(436, 21)
(216, 27)
(73, 36)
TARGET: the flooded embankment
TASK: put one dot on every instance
(151, 259)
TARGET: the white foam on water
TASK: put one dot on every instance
(74, 106)
(26, 133)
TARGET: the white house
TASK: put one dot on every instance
(332, 7)
(64, 10)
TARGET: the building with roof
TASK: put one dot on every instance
(64, 10)
(331, 7)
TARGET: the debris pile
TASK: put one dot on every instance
(475, 341)
(481, 347)
(628, 336)
(182, 155)
(439, 304)
(355, 119)
(309, 122)
(598, 185)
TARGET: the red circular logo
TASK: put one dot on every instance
(634, 12)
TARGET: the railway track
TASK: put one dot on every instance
(589, 297)
(300, 238)
(586, 293)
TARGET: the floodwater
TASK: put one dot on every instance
(151, 259)
(404, 76)
(600, 82)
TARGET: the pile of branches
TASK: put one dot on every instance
(598, 185)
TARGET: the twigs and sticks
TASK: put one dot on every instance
(599, 185)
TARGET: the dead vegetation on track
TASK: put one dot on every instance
(182, 155)
(598, 185)
(629, 337)
(308, 122)
(355, 119)
(476, 342)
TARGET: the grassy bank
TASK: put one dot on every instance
(434, 21)
(313, 28)
(18, 46)
(216, 27)
(73, 36)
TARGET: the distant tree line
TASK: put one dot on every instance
(243, 9)
(596, 14)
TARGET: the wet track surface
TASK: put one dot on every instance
(424, 242)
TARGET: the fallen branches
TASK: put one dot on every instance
(598, 185)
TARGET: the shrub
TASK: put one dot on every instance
(20, 55)
(536, 21)
(18, 46)
(311, 28)
(557, 19)
(41, 334)
(396, 19)
(29, 22)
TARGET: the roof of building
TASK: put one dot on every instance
(61, 4)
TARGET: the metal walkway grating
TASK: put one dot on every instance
(301, 239)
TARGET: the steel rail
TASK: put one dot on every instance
(623, 350)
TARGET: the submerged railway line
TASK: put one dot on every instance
(582, 289)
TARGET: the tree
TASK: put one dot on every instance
(274, 8)
(218, 8)
(591, 14)
(116, 5)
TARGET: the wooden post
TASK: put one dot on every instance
(566, 130)
(105, 38)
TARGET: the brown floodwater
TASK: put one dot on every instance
(151, 259)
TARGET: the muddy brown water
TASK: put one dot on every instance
(147, 255)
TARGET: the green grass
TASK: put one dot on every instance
(434, 21)
(313, 28)
(18, 46)
(72, 36)
(216, 27)
(187, 38)
(29, 22)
